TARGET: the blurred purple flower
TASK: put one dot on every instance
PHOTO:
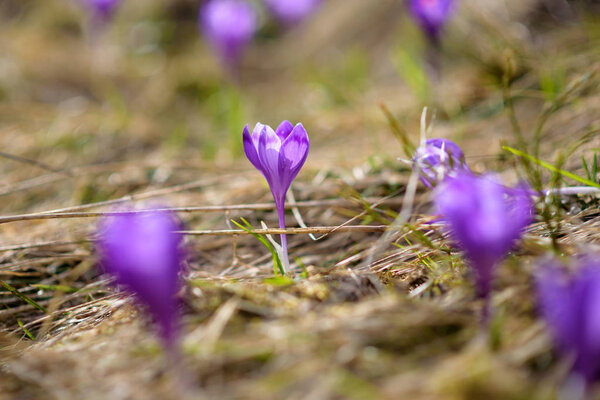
(143, 252)
(278, 155)
(571, 307)
(229, 25)
(485, 219)
(292, 11)
(431, 15)
(438, 159)
(102, 10)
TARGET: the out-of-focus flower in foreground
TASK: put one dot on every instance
(292, 11)
(278, 155)
(437, 159)
(431, 15)
(571, 307)
(102, 10)
(142, 251)
(229, 26)
(485, 219)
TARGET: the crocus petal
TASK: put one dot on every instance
(587, 297)
(268, 154)
(431, 15)
(480, 214)
(451, 148)
(103, 9)
(438, 159)
(256, 134)
(229, 25)
(292, 11)
(556, 303)
(250, 148)
(522, 208)
(142, 251)
(284, 129)
(571, 308)
(295, 149)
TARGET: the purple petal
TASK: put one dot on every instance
(103, 9)
(293, 155)
(586, 297)
(437, 159)
(142, 251)
(483, 218)
(571, 308)
(257, 131)
(295, 149)
(284, 129)
(292, 11)
(268, 153)
(431, 15)
(556, 303)
(250, 148)
(229, 25)
(448, 146)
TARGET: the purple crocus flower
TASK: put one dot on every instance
(229, 25)
(102, 10)
(431, 15)
(485, 219)
(278, 155)
(571, 307)
(143, 252)
(292, 11)
(437, 159)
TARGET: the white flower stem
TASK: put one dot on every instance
(281, 215)
(572, 190)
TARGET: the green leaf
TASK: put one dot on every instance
(29, 335)
(304, 274)
(588, 172)
(551, 167)
(401, 134)
(277, 266)
(23, 297)
(279, 281)
(56, 288)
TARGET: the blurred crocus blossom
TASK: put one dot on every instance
(278, 155)
(229, 26)
(431, 15)
(571, 307)
(143, 252)
(102, 10)
(437, 159)
(292, 11)
(485, 219)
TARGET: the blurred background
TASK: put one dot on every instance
(144, 88)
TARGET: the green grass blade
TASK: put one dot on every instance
(277, 266)
(23, 297)
(29, 335)
(56, 288)
(279, 281)
(588, 172)
(551, 167)
(399, 132)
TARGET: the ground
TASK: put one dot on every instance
(141, 114)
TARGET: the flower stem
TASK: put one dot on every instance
(486, 313)
(284, 246)
(573, 190)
